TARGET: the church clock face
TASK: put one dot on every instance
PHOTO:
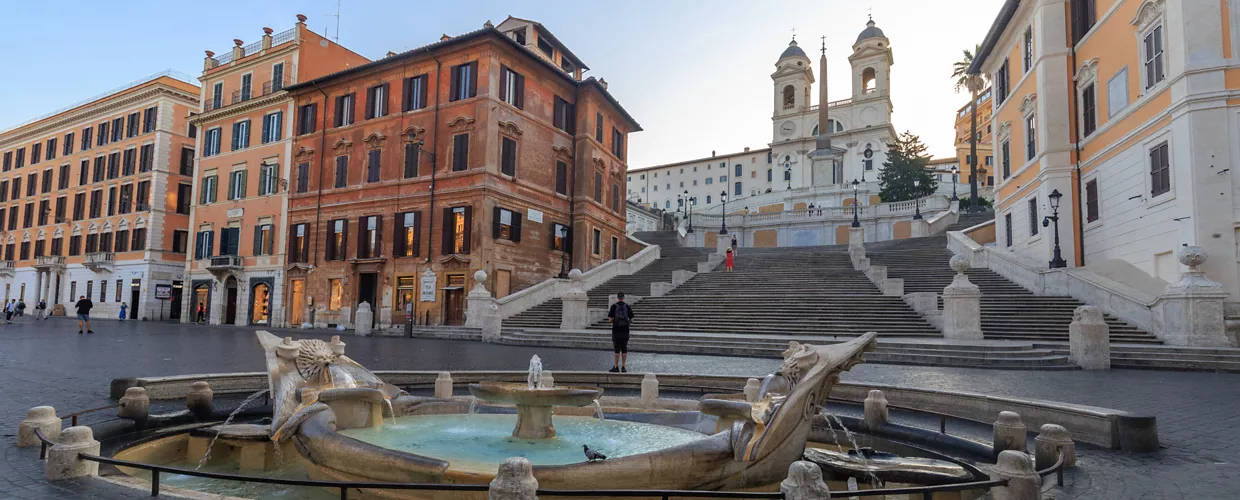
(788, 128)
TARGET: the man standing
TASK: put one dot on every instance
(83, 312)
(620, 315)
(40, 309)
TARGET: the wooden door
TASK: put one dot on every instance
(503, 283)
(299, 303)
(454, 307)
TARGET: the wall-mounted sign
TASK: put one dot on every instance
(534, 215)
(163, 292)
(234, 213)
(428, 286)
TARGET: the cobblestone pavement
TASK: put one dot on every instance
(48, 363)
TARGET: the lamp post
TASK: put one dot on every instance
(856, 222)
(723, 195)
(955, 170)
(690, 203)
(788, 173)
(917, 199)
(1057, 259)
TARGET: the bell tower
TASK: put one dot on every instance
(792, 81)
(871, 64)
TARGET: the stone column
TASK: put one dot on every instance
(1009, 433)
(875, 410)
(62, 459)
(804, 482)
(41, 418)
(215, 311)
(575, 313)
(364, 319)
(443, 385)
(919, 228)
(1023, 482)
(1190, 311)
(962, 305)
(514, 481)
(38, 288)
(650, 389)
(1051, 441)
(1089, 339)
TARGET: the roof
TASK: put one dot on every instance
(793, 51)
(472, 35)
(168, 73)
(708, 158)
(992, 37)
(543, 29)
(870, 31)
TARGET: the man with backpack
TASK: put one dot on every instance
(21, 309)
(620, 316)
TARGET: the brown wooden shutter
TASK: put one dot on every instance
(503, 83)
(353, 107)
(446, 237)
(398, 239)
(377, 251)
(370, 102)
(344, 241)
(361, 237)
(469, 227)
(516, 227)
(454, 82)
(406, 88)
(422, 98)
(473, 79)
(305, 243)
(258, 240)
(496, 227)
(417, 233)
(387, 98)
(557, 119)
(520, 91)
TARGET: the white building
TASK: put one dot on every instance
(856, 136)
(639, 219)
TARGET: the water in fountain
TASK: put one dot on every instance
(473, 407)
(391, 411)
(535, 376)
(874, 480)
(834, 436)
(206, 456)
(847, 433)
(598, 411)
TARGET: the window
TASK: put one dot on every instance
(307, 116)
(565, 117)
(1091, 200)
(32, 184)
(96, 203)
(1031, 137)
(139, 239)
(144, 195)
(8, 160)
(102, 134)
(508, 157)
(407, 234)
(710, 180)
(180, 239)
(148, 119)
(1007, 229)
(47, 181)
(247, 86)
(273, 127)
(615, 247)
(1001, 83)
(617, 144)
(122, 245)
(28, 219)
(217, 95)
(561, 177)
(412, 151)
(460, 152)
(337, 294)
(111, 201)
(1089, 117)
(337, 239)
(1083, 18)
(457, 229)
(118, 132)
(44, 211)
(506, 225)
(241, 135)
(1033, 216)
(299, 243)
(377, 101)
(267, 179)
(51, 148)
(1005, 158)
(1028, 49)
(598, 235)
(345, 112)
(36, 153)
(264, 239)
(511, 87)
(211, 143)
(708, 199)
(210, 184)
(17, 187)
(277, 77)
(79, 206)
(126, 198)
(132, 124)
(598, 187)
(559, 237)
(187, 161)
(58, 246)
(114, 160)
(737, 189)
(615, 197)
(127, 163)
(342, 171)
(61, 207)
(1160, 170)
(203, 243)
(185, 194)
(1153, 57)
(230, 237)
(464, 81)
(86, 136)
(236, 185)
(790, 98)
(146, 157)
(414, 93)
(303, 177)
(738, 171)
(598, 129)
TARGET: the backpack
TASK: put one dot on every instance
(622, 315)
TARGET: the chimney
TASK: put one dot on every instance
(267, 37)
(603, 82)
(488, 24)
(712, 153)
(390, 54)
(746, 149)
(445, 38)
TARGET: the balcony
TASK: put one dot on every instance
(224, 264)
(49, 263)
(100, 261)
(7, 268)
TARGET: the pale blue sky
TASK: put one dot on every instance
(695, 74)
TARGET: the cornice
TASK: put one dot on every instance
(93, 111)
(237, 109)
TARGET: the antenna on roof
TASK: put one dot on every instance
(337, 16)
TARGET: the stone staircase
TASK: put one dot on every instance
(673, 257)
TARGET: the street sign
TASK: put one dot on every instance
(163, 292)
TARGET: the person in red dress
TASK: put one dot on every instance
(727, 261)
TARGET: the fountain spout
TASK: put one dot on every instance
(535, 375)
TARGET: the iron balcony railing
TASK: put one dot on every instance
(277, 39)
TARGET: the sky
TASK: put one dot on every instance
(694, 73)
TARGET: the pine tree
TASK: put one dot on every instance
(906, 161)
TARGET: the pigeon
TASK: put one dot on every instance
(592, 455)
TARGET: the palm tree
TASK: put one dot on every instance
(974, 83)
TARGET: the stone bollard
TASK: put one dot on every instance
(752, 386)
(62, 458)
(804, 482)
(1192, 310)
(1009, 433)
(39, 418)
(363, 323)
(875, 410)
(1089, 339)
(200, 400)
(336, 345)
(962, 305)
(650, 389)
(1053, 439)
(575, 313)
(546, 379)
(443, 385)
(119, 385)
(134, 405)
(1023, 481)
(877, 274)
(514, 481)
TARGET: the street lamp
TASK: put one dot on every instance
(955, 169)
(692, 201)
(788, 173)
(917, 199)
(1057, 260)
(856, 221)
(723, 195)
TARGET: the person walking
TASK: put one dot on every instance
(9, 309)
(124, 309)
(21, 309)
(40, 309)
(734, 244)
(202, 313)
(620, 316)
(83, 313)
(728, 260)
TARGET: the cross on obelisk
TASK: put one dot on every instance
(824, 45)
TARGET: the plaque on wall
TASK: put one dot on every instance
(234, 213)
(534, 215)
(429, 280)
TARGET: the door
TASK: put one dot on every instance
(260, 309)
(230, 301)
(135, 296)
(174, 302)
(454, 306)
(367, 291)
(299, 303)
(202, 303)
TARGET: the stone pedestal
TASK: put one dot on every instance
(134, 405)
(875, 410)
(363, 322)
(962, 305)
(575, 314)
(481, 309)
(533, 422)
(1051, 441)
(1009, 433)
(514, 481)
(856, 240)
(861, 264)
(1190, 311)
(443, 385)
(723, 243)
(650, 389)
(752, 386)
(919, 228)
(661, 288)
(804, 482)
(877, 274)
(1023, 481)
(1089, 339)
(39, 418)
(200, 400)
(62, 458)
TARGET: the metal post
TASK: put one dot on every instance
(154, 482)
(856, 222)
(723, 216)
(344, 493)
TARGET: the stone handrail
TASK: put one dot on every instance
(928, 205)
(523, 300)
(939, 222)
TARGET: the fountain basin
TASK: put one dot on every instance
(534, 405)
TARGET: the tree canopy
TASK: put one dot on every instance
(906, 162)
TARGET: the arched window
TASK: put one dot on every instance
(708, 199)
(790, 97)
(768, 175)
(834, 127)
(667, 204)
(737, 189)
(867, 80)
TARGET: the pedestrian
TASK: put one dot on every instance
(40, 309)
(202, 313)
(124, 307)
(734, 244)
(620, 316)
(728, 260)
(21, 309)
(83, 313)
(9, 309)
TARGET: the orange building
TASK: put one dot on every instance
(985, 149)
(89, 205)
(477, 152)
(241, 183)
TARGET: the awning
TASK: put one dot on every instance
(453, 288)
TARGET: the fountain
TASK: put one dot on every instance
(534, 402)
